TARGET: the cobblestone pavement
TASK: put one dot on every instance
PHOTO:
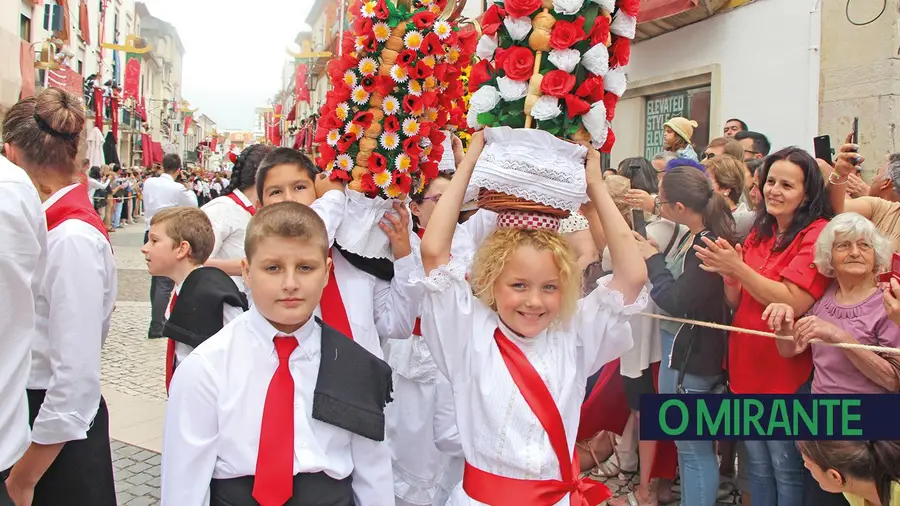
(133, 382)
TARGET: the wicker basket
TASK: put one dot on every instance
(499, 202)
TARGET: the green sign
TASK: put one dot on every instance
(661, 108)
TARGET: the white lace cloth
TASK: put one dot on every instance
(498, 431)
(447, 163)
(534, 165)
(359, 233)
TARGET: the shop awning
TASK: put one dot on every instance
(657, 17)
(652, 10)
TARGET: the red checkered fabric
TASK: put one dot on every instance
(527, 221)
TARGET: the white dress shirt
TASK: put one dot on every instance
(498, 430)
(162, 192)
(73, 313)
(182, 350)
(229, 223)
(94, 185)
(215, 409)
(23, 250)
(374, 307)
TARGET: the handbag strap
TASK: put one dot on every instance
(672, 240)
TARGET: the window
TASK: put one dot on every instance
(691, 103)
(25, 28)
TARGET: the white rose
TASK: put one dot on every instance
(594, 122)
(624, 25)
(518, 28)
(596, 60)
(484, 100)
(472, 120)
(565, 59)
(487, 44)
(512, 90)
(615, 81)
(567, 6)
(545, 108)
(607, 5)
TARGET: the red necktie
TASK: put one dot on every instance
(170, 347)
(274, 482)
(333, 311)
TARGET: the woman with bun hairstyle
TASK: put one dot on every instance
(231, 212)
(69, 460)
(866, 472)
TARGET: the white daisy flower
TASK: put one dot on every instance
(453, 55)
(403, 162)
(368, 9)
(390, 105)
(350, 78)
(382, 31)
(398, 74)
(390, 140)
(413, 40)
(344, 162)
(342, 111)
(333, 136)
(415, 88)
(410, 127)
(359, 95)
(355, 129)
(442, 29)
(367, 66)
(383, 179)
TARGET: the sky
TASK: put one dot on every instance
(234, 52)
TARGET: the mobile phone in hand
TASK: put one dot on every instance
(822, 147)
(640, 225)
(894, 273)
(854, 134)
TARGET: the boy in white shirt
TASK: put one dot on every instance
(204, 300)
(278, 408)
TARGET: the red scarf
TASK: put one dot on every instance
(502, 491)
(237, 200)
(75, 205)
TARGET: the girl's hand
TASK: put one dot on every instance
(639, 199)
(324, 184)
(458, 151)
(476, 145)
(780, 318)
(396, 225)
(892, 301)
(648, 248)
(720, 257)
(813, 327)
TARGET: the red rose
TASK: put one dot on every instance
(591, 89)
(406, 57)
(377, 163)
(619, 52)
(381, 10)
(431, 45)
(491, 20)
(391, 124)
(610, 140)
(412, 104)
(600, 31)
(363, 119)
(403, 181)
(610, 100)
(345, 142)
(412, 148)
(576, 106)
(557, 83)
(481, 73)
(423, 20)
(567, 33)
(517, 62)
(519, 8)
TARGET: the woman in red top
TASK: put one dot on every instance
(775, 265)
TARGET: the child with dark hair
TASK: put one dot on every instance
(230, 213)
(865, 472)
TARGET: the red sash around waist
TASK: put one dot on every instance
(503, 491)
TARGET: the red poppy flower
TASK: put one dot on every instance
(407, 57)
(442, 118)
(391, 124)
(437, 152)
(425, 129)
(431, 45)
(420, 71)
(468, 39)
(381, 10)
(367, 184)
(423, 19)
(429, 169)
(411, 146)
(363, 119)
(327, 154)
(339, 175)
(368, 83)
(344, 143)
(377, 163)
(429, 98)
(403, 181)
(371, 45)
(384, 85)
(412, 105)
(362, 25)
(341, 91)
(330, 121)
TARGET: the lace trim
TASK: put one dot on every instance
(533, 195)
(361, 235)
(443, 276)
(616, 301)
(532, 168)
